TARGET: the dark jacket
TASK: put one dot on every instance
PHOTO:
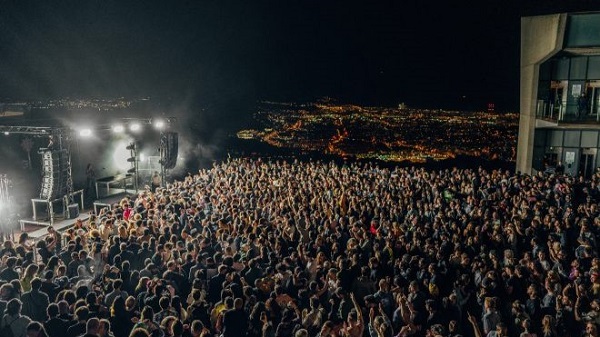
(56, 327)
(35, 303)
(235, 323)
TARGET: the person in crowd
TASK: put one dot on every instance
(35, 302)
(55, 326)
(92, 327)
(13, 319)
(36, 329)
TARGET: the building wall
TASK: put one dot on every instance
(568, 146)
(541, 38)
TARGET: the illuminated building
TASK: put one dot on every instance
(560, 93)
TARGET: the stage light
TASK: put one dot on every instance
(131, 170)
(159, 124)
(6, 133)
(118, 128)
(120, 155)
(131, 160)
(135, 127)
(85, 132)
(130, 146)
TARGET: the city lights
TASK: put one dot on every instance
(385, 133)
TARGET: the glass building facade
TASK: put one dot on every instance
(566, 98)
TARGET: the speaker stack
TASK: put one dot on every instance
(55, 174)
(169, 148)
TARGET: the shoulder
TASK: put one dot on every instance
(23, 320)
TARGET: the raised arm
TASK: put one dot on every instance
(476, 330)
(357, 308)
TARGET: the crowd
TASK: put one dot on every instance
(265, 248)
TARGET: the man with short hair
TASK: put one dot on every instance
(104, 330)
(9, 273)
(165, 309)
(110, 298)
(92, 328)
(6, 294)
(79, 328)
(235, 321)
(215, 285)
(35, 302)
(55, 326)
(73, 265)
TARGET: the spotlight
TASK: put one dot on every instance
(159, 124)
(135, 127)
(85, 132)
(120, 155)
(131, 170)
(6, 133)
(130, 146)
(118, 128)
(131, 160)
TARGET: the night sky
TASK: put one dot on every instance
(232, 54)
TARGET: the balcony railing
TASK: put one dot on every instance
(566, 113)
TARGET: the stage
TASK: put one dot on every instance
(38, 228)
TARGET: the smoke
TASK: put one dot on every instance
(198, 147)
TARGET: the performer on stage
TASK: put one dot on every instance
(156, 181)
(50, 146)
(90, 183)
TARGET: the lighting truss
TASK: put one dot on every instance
(30, 130)
(49, 130)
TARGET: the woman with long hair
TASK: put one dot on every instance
(53, 263)
(120, 318)
(28, 275)
(548, 327)
(23, 241)
(145, 323)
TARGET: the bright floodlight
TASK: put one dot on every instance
(159, 124)
(85, 132)
(120, 154)
(6, 133)
(118, 128)
(135, 127)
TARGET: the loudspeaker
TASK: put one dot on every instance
(169, 146)
(72, 211)
(55, 165)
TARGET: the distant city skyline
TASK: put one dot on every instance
(228, 55)
(385, 134)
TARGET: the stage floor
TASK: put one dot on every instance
(39, 228)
